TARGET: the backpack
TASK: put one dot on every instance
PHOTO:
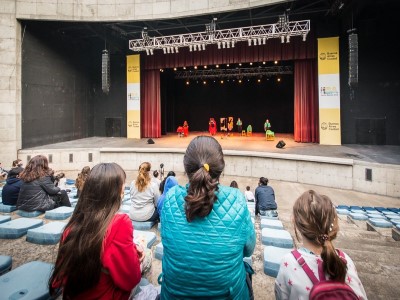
(325, 289)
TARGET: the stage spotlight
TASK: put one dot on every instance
(304, 37)
(195, 67)
(223, 45)
(251, 64)
(222, 82)
(204, 82)
(228, 44)
(227, 65)
(249, 41)
(288, 39)
(174, 69)
(259, 41)
(233, 44)
(164, 50)
(204, 46)
(240, 64)
(264, 40)
(258, 80)
(217, 66)
(255, 42)
(282, 39)
(194, 47)
(187, 82)
(172, 49)
(263, 62)
(147, 51)
(279, 80)
(184, 68)
(176, 49)
(219, 45)
(190, 48)
(276, 62)
(151, 51)
(240, 80)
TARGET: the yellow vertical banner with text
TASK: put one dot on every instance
(329, 91)
(133, 96)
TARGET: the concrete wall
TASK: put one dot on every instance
(330, 172)
(75, 10)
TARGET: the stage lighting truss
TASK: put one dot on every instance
(238, 73)
(225, 38)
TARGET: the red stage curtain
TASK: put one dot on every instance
(241, 53)
(151, 103)
(306, 101)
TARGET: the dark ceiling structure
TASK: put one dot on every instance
(117, 34)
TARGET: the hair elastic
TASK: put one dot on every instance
(207, 167)
(323, 238)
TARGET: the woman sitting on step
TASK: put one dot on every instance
(38, 191)
(97, 257)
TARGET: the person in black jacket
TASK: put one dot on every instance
(11, 189)
(265, 199)
(38, 192)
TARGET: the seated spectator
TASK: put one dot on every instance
(144, 196)
(11, 188)
(265, 199)
(315, 218)
(169, 183)
(38, 192)
(203, 252)
(97, 258)
(17, 163)
(3, 173)
(155, 177)
(170, 173)
(249, 194)
(234, 184)
(80, 180)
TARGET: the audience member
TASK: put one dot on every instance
(155, 177)
(38, 192)
(249, 195)
(97, 258)
(81, 179)
(265, 199)
(234, 184)
(17, 163)
(203, 254)
(170, 173)
(144, 196)
(314, 216)
(11, 188)
(3, 173)
(169, 183)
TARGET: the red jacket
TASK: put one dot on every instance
(120, 260)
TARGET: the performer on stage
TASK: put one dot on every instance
(212, 126)
(230, 125)
(239, 125)
(185, 128)
(267, 125)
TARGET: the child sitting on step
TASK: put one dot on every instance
(314, 216)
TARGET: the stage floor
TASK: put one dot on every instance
(256, 142)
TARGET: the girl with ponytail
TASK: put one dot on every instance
(206, 231)
(315, 219)
(144, 196)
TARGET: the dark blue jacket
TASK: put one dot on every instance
(11, 191)
(169, 183)
(265, 198)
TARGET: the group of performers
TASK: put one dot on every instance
(226, 125)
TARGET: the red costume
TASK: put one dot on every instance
(119, 260)
(212, 126)
(185, 128)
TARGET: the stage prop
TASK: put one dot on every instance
(249, 130)
(329, 91)
(133, 96)
(270, 135)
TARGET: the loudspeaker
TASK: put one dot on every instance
(353, 58)
(281, 144)
(150, 141)
(105, 72)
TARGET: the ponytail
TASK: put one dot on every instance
(332, 263)
(143, 177)
(201, 195)
(204, 163)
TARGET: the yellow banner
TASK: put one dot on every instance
(329, 126)
(328, 55)
(329, 91)
(133, 96)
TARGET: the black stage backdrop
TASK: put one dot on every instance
(252, 101)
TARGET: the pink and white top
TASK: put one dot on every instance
(293, 283)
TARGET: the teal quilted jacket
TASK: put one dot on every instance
(204, 258)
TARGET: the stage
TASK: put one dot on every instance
(255, 143)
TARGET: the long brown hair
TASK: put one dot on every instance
(36, 168)
(82, 176)
(204, 163)
(78, 264)
(143, 178)
(316, 219)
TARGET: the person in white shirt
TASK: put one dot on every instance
(314, 216)
(144, 196)
(155, 177)
(249, 195)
